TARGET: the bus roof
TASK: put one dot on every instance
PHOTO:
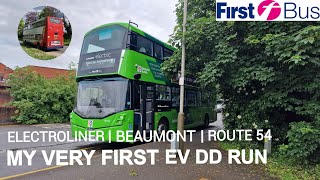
(137, 30)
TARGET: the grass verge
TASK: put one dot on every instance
(284, 169)
(281, 167)
(66, 42)
(37, 53)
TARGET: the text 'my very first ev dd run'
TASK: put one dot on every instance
(139, 156)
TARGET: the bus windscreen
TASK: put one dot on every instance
(100, 98)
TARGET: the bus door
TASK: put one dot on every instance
(144, 106)
(150, 103)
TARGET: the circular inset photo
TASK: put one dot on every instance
(44, 33)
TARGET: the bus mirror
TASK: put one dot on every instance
(137, 76)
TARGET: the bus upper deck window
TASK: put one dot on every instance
(143, 50)
(158, 51)
(141, 44)
(167, 54)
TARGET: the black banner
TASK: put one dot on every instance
(102, 62)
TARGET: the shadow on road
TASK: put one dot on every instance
(106, 145)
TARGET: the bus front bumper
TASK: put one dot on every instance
(110, 134)
(54, 47)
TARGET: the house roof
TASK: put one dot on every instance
(46, 72)
(5, 71)
(49, 72)
(4, 74)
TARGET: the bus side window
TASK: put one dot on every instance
(204, 98)
(133, 41)
(185, 100)
(158, 51)
(199, 98)
(129, 97)
(167, 54)
(141, 44)
(163, 93)
(191, 95)
(175, 96)
(136, 95)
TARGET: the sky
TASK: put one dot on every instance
(156, 17)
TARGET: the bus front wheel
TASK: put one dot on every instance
(206, 121)
(163, 125)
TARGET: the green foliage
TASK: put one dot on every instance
(31, 17)
(281, 166)
(20, 29)
(67, 42)
(68, 34)
(50, 11)
(304, 142)
(269, 72)
(41, 100)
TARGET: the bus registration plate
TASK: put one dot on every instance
(53, 43)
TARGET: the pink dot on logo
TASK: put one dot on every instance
(271, 8)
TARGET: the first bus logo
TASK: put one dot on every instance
(267, 10)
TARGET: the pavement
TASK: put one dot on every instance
(38, 159)
(53, 52)
(57, 52)
(160, 170)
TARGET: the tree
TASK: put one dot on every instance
(31, 17)
(20, 29)
(50, 11)
(68, 28)
(41, 100)
(269, 72)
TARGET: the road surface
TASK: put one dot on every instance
(54, 52)
(57, 52)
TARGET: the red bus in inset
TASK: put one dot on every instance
(46, 33)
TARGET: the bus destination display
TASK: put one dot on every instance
(102, 62)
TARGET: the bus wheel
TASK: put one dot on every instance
(206, 121)
(38, 46)
(163, 126)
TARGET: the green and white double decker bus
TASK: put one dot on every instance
(121, 86)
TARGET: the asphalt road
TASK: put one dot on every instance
(38, 163)
(54, 52)
(109, 171)
(57, 52)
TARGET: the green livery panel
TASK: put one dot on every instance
(137, 63)
(119, 122)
